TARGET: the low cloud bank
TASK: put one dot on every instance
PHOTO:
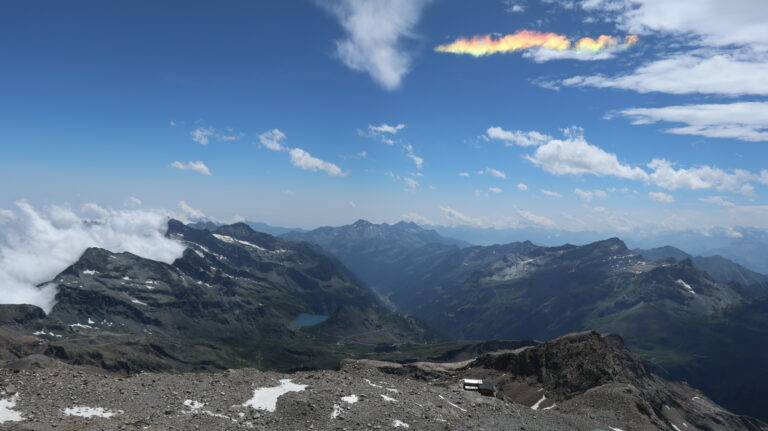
(36, 245)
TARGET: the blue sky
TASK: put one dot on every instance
(112, 103)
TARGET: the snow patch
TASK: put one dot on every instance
(48, 334)
(336, 411)
(374, 385)
(231, 240)
(136, 301)
(538, 403)
(399, 424)
(266, 398)
(675, 427)
(686, 286)
(7, 412)
(90, 272)
(80, 325)
(196, 407)
(615, 429)
(350, 399)
(454, 405)
(386, 398)
(89, 412)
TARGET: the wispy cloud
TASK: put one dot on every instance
(661, 197)
(275, 140)
(386, 128)
(522, 187)
(387, 134)
(545, 46)
(746, 121)
(272, 140)
(197, 166)
(550, 193)
(376, 31)
(411, 183)
(304, 160)
(717, 200)
(517, 137)
(494, 173)
(204, 135)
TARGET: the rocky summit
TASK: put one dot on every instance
(579, 381)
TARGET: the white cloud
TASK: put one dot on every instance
(722, 46)
(456, 218)
(418, 161)
(495, 190)
(517, 137)
(352, 204)
(717, 200)
(463, 174)
(521, 218)
(747, 121)
(701, 178)
(584, 195)
(37, 245)
(575, 156)
(411, 183)
(661, 197)
(386, 128)
(304, 160)
(687, 73)
(190, 213)
(550, 193)
(709, 22)
(204, 135)
(588, 195)
(375, 34)
(536, 219)
(362, 154)
(417, 218)
(522, 187)
(541, 55)
(197, 166)
(495, 173)
(273, 140)
(134, 201)
(6, 215)
(201, 135)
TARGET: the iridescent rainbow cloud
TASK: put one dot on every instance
(479, 46)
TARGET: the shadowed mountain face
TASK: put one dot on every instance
(718, 267)
(375, 252)
(669, 312)
(233, 295)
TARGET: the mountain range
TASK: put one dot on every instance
(673, 309)
(305, 300)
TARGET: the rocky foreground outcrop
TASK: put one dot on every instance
(577, 382)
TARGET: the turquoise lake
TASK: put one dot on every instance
(307, 320)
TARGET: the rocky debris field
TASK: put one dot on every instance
(358, 396)
(581, 381)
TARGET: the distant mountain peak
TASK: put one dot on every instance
(362, 223)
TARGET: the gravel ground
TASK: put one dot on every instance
(357, 397)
